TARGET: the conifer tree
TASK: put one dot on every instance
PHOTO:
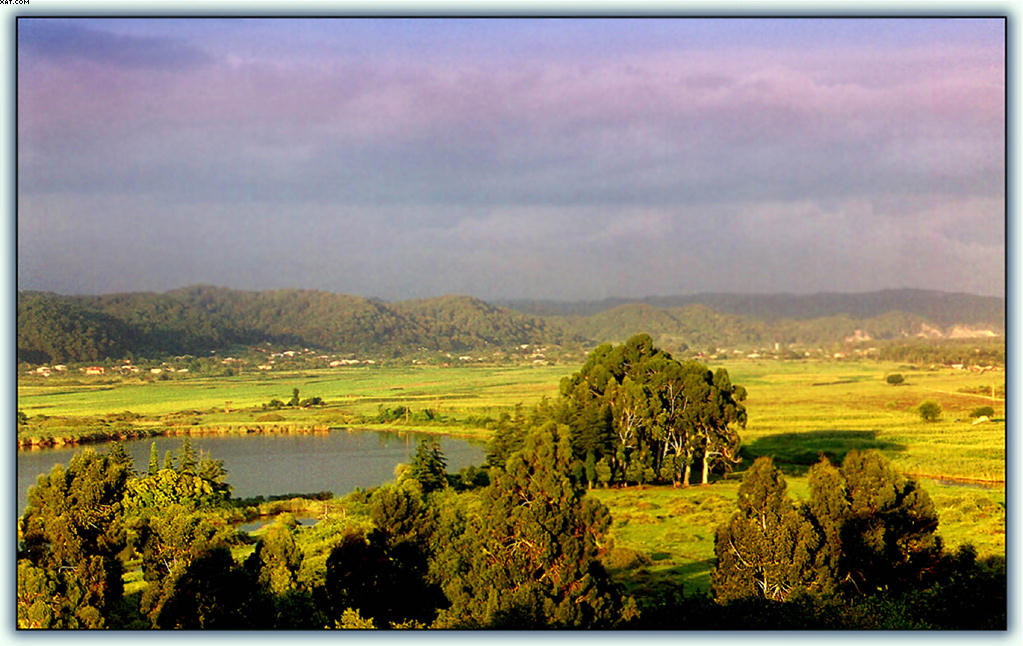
(186, 457)
(529, 557)
(884, 521)
(767, 548)
(428, 466)
(120, 456)
(154, 459)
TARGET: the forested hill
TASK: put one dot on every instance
(937, 308)
(195, 320)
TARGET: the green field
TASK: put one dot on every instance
(798, 410)
(353, 389)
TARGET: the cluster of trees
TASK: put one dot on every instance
(984, 352)
(865, 539)
(519, 551)
(294, 402)
(84, 521)
(57, 328)
(637, 415)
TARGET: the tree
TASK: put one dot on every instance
(884, 523)
(865, 530)
(635, 402)
(154, 460)
(120, 456)
(214, 593)
(167, 542)
(895, 379)
(428, 466)
(929, 411)
(720, 415)
(767, 548)
(983, 411)
(277, 559)
(72, 535)
(186, 457)
(528, 558)
(384, 574)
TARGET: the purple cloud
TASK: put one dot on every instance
(497, 149)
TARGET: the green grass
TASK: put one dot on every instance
(675, 527)
(798, 410)
(351, 396)
(356, 389)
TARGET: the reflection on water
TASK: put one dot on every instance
(254, 525)
(267, 465)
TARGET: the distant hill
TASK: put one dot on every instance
(940, 308)
(195, 320)
(705, 321)
(198, 319)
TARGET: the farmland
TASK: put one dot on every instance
(797, 409)
(661, 536)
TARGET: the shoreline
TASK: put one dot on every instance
(60, 441)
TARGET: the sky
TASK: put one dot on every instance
(569, 159)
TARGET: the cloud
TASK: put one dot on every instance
(60, 41)
(748, 165)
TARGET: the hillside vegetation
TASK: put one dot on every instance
(195, 320)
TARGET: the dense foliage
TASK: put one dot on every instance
(528, 543)
(72, 536)
(195, 320)
(862, 552)
(637, 415)
(528, 556)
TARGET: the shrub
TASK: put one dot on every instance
(983, 411)
(895, 379)
(929, 411)
(623, 558)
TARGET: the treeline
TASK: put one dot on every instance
(519, 545)
(968, 352)
(195, 320)
(55, 328)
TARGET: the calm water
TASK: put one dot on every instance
(266, 465)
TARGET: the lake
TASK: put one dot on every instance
(265, 465)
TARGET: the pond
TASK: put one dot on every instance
(266, 465)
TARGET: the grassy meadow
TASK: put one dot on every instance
(798, 410)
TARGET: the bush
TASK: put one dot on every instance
(623, 558)
(929, 411)
(895, 379)
(983, 411)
